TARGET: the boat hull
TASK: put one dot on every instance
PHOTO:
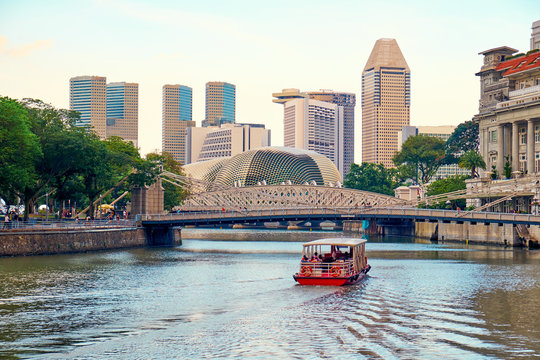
(330, 280)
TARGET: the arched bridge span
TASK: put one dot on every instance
(287, 196)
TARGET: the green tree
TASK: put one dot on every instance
(464, 138)
(174, 195)
(507, 168)
(51, 126)
(19, 148)
(473, 161)
(494, 172)
(421, 156)
(449, 184)
(371, 177)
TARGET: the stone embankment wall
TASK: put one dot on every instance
(43, 242)
(479, 233)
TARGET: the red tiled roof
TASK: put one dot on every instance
(519, 64)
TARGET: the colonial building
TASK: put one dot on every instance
(509, 111)
(509, 128)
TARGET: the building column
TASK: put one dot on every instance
(530, 146)
(481, 142)
(500, 149)
(515, 147)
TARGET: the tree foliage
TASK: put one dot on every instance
(464, 138)
(420, 157)
(449, 184)
(43, 153)
(371, 177)
(473, 161)
(19, 148)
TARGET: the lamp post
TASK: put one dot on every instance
(47, 205)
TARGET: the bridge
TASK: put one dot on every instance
(311, 204)
(334, 214)
(287, 197)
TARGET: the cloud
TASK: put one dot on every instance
(23, 50)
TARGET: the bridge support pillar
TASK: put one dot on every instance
(163, 235)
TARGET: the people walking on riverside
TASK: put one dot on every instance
(6, 221)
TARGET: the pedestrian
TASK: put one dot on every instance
(6, 221)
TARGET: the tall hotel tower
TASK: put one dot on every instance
(316, 125)
(386, 99)
(348, 102)
(177, 116)
(123, 111)
(220, 104)
(88, 96)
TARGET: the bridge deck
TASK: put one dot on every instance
(319, 214)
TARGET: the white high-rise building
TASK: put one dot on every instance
(315, 125)
(212, 142)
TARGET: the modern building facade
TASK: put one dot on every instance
(315, 125)
(347, 101)
(268, 165)
(123, 111)
(220, 104)
(386, 100)
(442, 132)
(288, 95)
(212, 142)
(88, 96)
(176, 117)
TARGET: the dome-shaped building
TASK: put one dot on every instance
(270, 165)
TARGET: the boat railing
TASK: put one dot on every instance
(324, 269)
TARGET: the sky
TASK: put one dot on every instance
(260, 46)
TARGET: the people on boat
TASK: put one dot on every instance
(315, 257)
(304, 258)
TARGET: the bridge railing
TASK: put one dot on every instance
(348, 213)
(31, 225)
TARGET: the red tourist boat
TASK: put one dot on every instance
(333, 262)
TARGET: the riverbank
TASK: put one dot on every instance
(26, 242)
(455, 231)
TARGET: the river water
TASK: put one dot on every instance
(230, 294)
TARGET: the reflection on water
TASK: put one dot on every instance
(234, 299)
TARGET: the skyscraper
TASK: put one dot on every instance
(88, 96)
(386, 99)
(177, 116)
(348, 102)
(220, 104)
(315, 125)
(123, 111)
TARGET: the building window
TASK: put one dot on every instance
(493, 136)
(522, 136)
(523, 162)
(537, 161)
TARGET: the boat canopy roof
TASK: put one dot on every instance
(337, 242)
